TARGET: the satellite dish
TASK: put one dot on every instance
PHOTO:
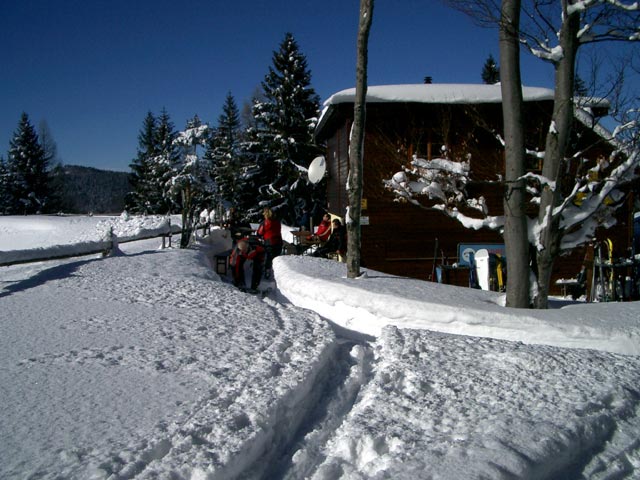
(317, 169)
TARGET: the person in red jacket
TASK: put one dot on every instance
(245, 251)
(337, 242)
(324, 230)
(270, 232)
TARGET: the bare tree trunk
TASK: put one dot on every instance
(515, 227)
(354, 184)
(555, 152)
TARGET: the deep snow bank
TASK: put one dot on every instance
(454, 407)
(369, 303)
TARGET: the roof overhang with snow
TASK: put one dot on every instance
(440, 93)
(445, 94)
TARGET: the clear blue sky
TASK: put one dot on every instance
(92, 69)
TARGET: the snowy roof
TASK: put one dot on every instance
(435, 93)
(451, 93)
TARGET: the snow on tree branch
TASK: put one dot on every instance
(593, 203)
(192, 136)
(540, 179)
(442, 182)
(600, 20)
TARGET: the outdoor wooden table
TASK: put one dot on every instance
(243, 232)
(299, 237)
(301, 241)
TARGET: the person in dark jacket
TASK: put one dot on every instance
(270, 230)
(241, 253)
(304, 222)
(337, 242)
(235, 225)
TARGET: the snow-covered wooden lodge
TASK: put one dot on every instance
(408, 121)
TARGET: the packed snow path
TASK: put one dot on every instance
(142, 371)
(148, 366)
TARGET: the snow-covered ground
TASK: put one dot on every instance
(145, 364)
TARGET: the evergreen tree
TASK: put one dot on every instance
(50, 149)
(281, 142)
(5, 197)
(223, 152)
(27, 171)
(59, 189)
(490, 71)
(139, 201)
(152, 167)
(163, 165)
(48, 144)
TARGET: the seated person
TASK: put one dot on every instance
(324, 230)
(337, 242)
(235, 224)
(241, 253)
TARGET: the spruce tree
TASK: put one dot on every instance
(138, 201)
(283, 134)
(27, 171)
(5, 197)
(162, 165)
(490, 71)
(48, 143)
(50, 148)
(223, 151)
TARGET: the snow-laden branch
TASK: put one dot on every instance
(192, 136)
(491, 222)
(600, 20)
(442, 183)
(540, 179)
(439, 179)
(550, 54)
(621, 174)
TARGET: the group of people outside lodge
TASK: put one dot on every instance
(336, 243)
(267, 244)
(330, 236)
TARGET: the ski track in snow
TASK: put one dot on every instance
(201, 380)
(213, 418)
(436, 411)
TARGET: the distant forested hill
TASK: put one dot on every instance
(89, 190)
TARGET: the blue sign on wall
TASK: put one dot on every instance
(464, 249)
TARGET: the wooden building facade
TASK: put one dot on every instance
(418, 120)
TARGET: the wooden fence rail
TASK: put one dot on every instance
(89, 248)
